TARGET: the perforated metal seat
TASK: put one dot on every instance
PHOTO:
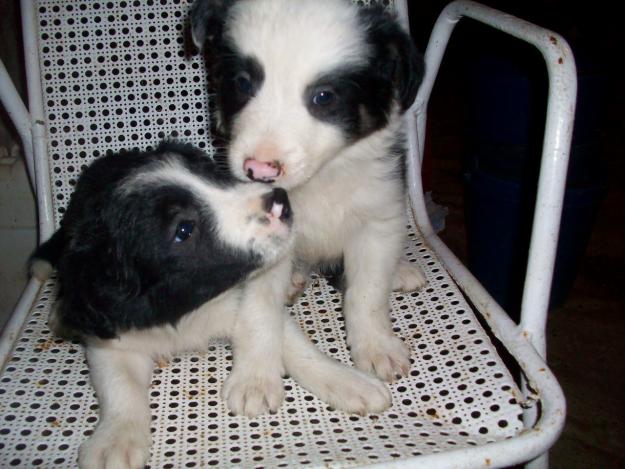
(115, 75)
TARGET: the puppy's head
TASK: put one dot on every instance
(153, 236)
(299, 81)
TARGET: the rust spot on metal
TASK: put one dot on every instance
(542, 370)
(47, 345)
(553, 39)
(487, 462)
(55, 423)
(525, 334)
(162, 363)
(560, 60)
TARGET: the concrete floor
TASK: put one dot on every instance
(587, 350)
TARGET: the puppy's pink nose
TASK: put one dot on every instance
(263, 171)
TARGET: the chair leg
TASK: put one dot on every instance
(541, 462)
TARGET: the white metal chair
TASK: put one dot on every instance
(105, 75)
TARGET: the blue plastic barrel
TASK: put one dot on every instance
(499, 215)
(507, 115)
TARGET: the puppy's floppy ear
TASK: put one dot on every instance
(397, 55)
(100, 292)
(207, 20)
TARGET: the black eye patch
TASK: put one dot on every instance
(239, 78)
(357, 100)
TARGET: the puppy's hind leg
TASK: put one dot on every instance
(121, 439)
(343, 387)
(299, 281)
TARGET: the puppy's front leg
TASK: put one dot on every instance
(341, 386)
(121, 439)
(255, 383)
(370, 262)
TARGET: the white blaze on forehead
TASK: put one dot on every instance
(171, 171)
(299, 38)
(295, 42)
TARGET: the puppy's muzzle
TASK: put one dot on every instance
(276, 204)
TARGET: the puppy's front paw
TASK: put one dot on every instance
(408, 277)
(115, 445)
(252, 394)
(353, 391)
(384, 355)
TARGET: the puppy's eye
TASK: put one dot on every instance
(244, 84)
(184, 231)
(323, 98)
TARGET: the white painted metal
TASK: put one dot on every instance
(558, 132)
(560, 64)
(35, 106)
(459, 395)
(46, 378)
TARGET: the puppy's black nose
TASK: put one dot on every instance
(277, 203)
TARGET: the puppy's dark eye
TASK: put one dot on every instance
(184, 231)
(323, 97)
(244, 84)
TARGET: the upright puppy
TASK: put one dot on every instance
(154, 256)
(312, 95)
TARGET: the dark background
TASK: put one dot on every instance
(585, 341)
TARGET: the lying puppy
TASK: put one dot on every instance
(312, 95)
(154, 256)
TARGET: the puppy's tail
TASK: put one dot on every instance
(47, 256)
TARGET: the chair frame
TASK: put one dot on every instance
(525, 341)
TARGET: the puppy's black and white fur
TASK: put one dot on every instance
(156, 255)
(312, 96)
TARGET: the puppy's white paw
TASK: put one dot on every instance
(408, 277)
(115, 445)
(252, 394)
(353, 391)
(386, 356)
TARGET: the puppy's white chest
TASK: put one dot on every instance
(339, 200)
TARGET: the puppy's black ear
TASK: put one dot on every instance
(101, 290)
(397, 55)
(207, 20)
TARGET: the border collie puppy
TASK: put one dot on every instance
(312, 96)
(155, 255)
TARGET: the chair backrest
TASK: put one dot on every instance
(119, 75)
